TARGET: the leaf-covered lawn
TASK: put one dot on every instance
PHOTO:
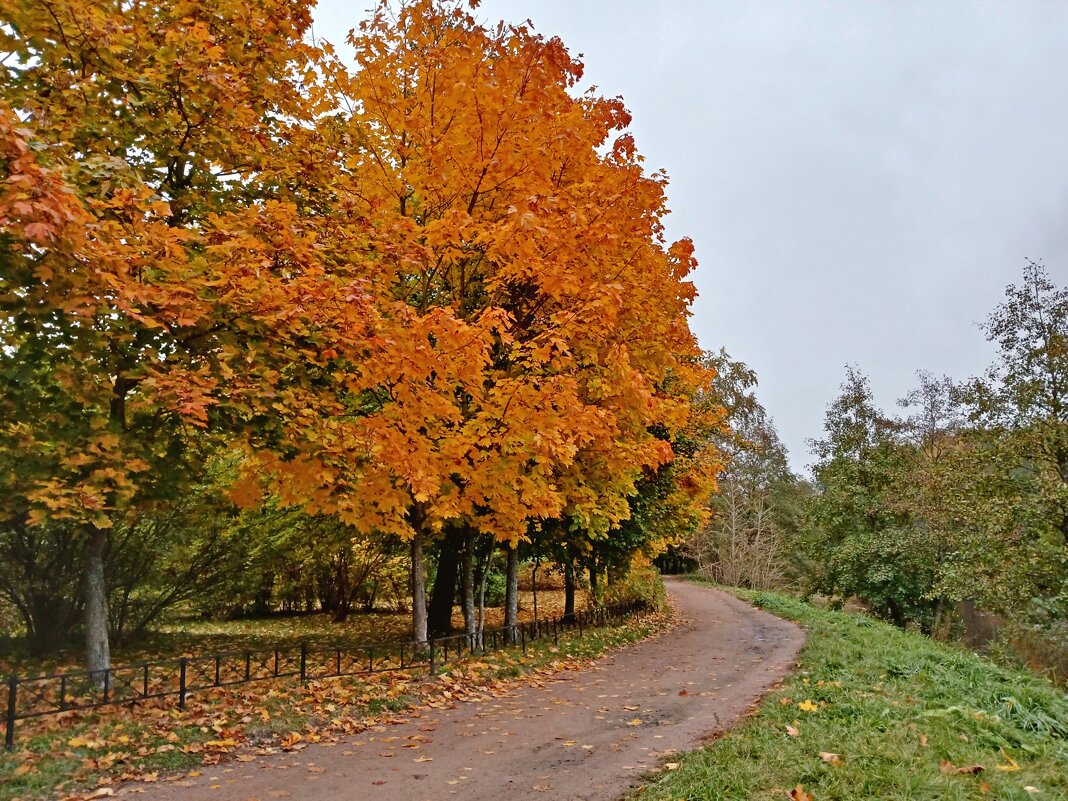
(77, 753)
(187, 636)
(876, 713)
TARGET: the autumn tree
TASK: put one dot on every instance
(431, 295)
(180, 290)
(525, 239)
(748, 540)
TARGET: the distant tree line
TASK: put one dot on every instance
(961, 498)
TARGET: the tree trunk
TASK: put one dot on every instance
(467, 570)
(480, 626)
(418, 585)
(569, 592)
(511, 590)
(97, 647)
(534, 584)
(443, 596)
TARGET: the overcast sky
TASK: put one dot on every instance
(861, 180)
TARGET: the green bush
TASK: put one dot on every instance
(641, 583)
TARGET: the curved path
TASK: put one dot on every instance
(587, 735)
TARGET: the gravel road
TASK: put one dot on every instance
(586, 734)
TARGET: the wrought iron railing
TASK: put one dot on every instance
(36, 696)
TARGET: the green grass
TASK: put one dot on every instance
(901, 710)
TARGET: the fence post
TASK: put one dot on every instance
(303, 661)
(182, 665)
(12, 700)
(523, 638)
(431, 657)
(556, 633)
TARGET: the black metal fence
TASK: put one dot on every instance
(37, 696)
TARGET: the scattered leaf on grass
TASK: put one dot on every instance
(965, 770)
(793, 731)
(671, 765)
(808, 706)
(1009, 766)
(831, 758)
(799, 794)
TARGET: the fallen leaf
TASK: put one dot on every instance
(634, 722)
(1010, 766)
(831, 758)
(100, 792)
(923, 740)
(423, 759)
(808, 706)
(966, 770)
(793, 731)
(671, 765)
(799, 794)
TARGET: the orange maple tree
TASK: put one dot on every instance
(431, 294)
(516, 213)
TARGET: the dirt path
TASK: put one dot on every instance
(588, 735)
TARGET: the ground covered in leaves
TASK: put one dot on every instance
(189, 636)
(80, 755)
(876, 713)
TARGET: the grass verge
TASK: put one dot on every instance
(876, 713)
(77, 754)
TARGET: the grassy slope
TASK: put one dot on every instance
(902, 711)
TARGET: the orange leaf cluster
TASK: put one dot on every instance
(433, 289)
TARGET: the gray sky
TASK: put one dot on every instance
(861, 180)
